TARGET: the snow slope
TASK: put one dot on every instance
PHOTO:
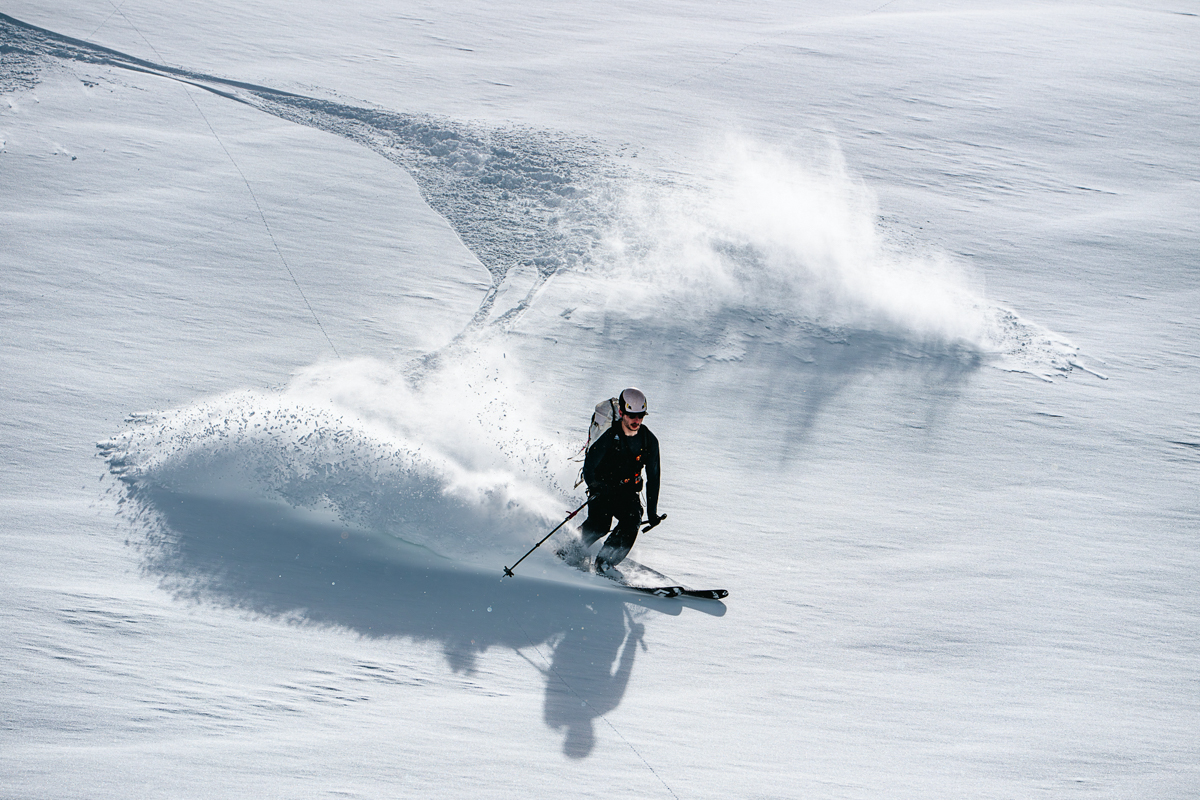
(911, 289)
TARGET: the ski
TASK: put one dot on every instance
(645, 575)
(630, 570)
(705, 594)
(678, 591)
(638, 577)
(645, 587)
(657, 591)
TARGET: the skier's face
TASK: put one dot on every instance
(631, 423)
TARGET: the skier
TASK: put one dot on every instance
(613, 472)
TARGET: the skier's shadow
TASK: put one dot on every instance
(272, 560)
(589, 675)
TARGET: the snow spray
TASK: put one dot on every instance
(769, 232)
(449, 463)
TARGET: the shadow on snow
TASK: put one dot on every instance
(788, 373)
(271, 560)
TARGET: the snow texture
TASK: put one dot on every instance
(291, 375)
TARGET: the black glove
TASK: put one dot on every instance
(653, 519)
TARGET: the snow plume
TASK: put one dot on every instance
(767, 232)
(449, 462)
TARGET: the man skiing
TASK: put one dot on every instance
(613, 471)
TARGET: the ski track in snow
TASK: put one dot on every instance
(553, 203)
(996, 603)
(726, 258)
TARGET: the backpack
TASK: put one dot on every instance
(604, 417)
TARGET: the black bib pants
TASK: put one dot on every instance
(613, 471)
(626, 506)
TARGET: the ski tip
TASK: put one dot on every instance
(707, 594)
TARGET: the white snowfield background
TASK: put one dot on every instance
(305, 309)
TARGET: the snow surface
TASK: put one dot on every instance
(305, 312)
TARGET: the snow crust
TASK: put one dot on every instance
(305, 315)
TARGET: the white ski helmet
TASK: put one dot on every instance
(633, 401)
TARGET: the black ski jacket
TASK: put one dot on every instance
(615, 461)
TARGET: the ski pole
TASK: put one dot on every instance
(650, 523)
(508, 571)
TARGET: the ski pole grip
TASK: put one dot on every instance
(652, 523)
